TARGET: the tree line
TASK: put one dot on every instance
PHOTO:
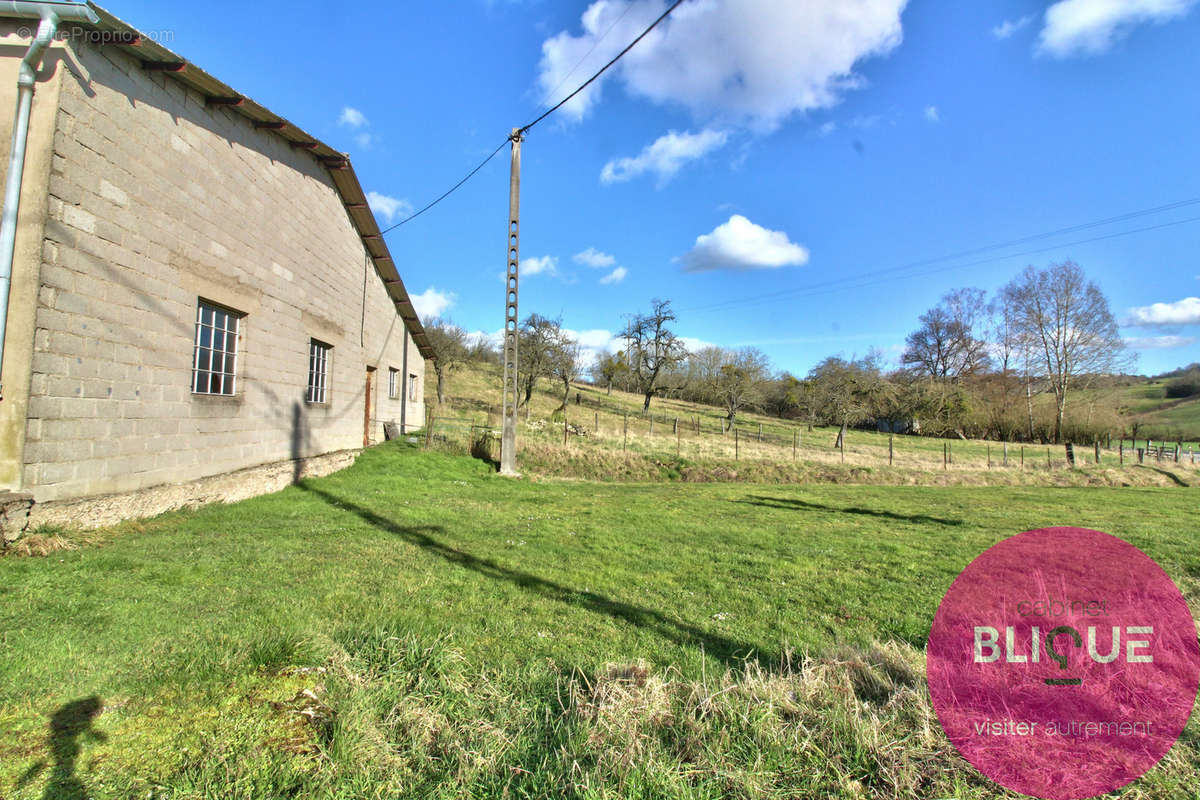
(1039, 360)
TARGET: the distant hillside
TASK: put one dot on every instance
(1159, 417)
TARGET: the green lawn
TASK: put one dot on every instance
(416, 626)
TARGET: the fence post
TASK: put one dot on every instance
(676, 431)
(760, 431)
(1178, 447)
(596, 421)
(950, 450)
(890, 449)
(1006, 454)
(989, 456)
(1141, 455)
(625, 441)
(564, 425)
(842, 440)
(945, 456)
(722, 426)
(795, 436)
(1121, 450)
(1022, 456)
(1097, 452)
(1047, 458)
(677, 439)
(735, 443)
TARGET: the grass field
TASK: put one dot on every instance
(416, 626)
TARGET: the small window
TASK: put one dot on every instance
(394, 383)
(318, 372)
(412, 388)
(214, 363)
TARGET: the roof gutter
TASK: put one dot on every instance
(49, 14)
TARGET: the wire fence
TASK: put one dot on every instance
(598, 424)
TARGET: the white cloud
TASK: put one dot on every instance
(1088, 27)
(753, 62)
(827, 128)
(1159, 342)
(388, 207)
(616, 276)
(353, 118)
(539, 265)
(665, 157)
(740, 244)
(431, 303)
(594, 258)
(932, 115)
(1183, 312)
(364, 139)
(695, 345)
(1009, 27)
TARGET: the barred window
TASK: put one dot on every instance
(318, 372)
(394, 383)
(214, 365)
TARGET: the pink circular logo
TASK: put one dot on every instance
(1063, 663)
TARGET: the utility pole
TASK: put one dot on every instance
(508, 440)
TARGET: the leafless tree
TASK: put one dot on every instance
(652, 347)
(1068, 327)
(566, 364)
(739, 380)
(450, 348)
(948, 345)
(538, 336)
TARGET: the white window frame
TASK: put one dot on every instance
(393, 383)
(412, 387)
(204, 356)
(319, 357)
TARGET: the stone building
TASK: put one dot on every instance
(202, 306)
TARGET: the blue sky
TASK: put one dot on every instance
(766, 166)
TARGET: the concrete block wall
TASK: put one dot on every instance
(156, 201)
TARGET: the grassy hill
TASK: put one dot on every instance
(608, 437)
(1159, 417)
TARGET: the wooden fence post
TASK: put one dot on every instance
(677, 439)
(596, 421)
(1097, 452)
(735, 443)
(842, 439)
(1178, 448)
(760, 431)
(1121, 450)
(1047, 458)
(1006, 454)
(989, 456)
(945, 456)
(676, 431)
(890, 448)
(564, 426)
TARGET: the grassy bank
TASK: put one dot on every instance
(416, 626)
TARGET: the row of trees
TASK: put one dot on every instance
(974, 366)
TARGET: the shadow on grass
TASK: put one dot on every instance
(1178, 480)
(729, 651)
(68, 726)
(792, 504)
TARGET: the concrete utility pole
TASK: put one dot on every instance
(508, 439)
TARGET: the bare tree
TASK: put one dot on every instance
(845, 392)
(739, 380)
(538, 336)
(652, 347)
(947, 346)
(566, 364)
(1068, 326)
(450, 349)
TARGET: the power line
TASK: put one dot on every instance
(902, 270)
(602, 70)
(557, 106)
(446, 193)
